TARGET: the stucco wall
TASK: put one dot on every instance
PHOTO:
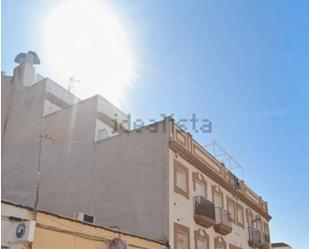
(54, 232)
(6, 95)
(20, 142)
(122, 181)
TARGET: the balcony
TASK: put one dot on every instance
(204, 212)
(265, 241)
(223, 224)
(257, 239)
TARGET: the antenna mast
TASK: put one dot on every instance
(71, 83)
(224, 157)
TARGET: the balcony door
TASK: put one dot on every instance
(201, 189)
(217, 197)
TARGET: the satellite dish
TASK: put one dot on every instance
(30, 57)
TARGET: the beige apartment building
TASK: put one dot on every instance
(156, 181)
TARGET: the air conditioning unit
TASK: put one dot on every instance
(85, 217)
(21, 231)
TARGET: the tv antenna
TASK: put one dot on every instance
(71, 83)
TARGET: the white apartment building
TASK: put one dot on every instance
(156, 181)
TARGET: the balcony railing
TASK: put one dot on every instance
(223, 224)
(266, 238)
(265, 241)
(255, 237)
(258, 239)
(204, 212)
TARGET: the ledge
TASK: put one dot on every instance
(222, 229)
(204, 221)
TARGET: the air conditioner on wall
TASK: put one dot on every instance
(85, 217)
(21, 231)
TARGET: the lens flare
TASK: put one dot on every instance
(83, 39)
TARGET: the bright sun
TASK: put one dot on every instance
(83, 39)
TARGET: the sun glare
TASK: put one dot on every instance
(84, 40)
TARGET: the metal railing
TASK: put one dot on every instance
(265, 238)
(222, 217)
(255, 236)
(258, 239)
(204, 207)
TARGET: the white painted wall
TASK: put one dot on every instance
(24, 74)
(112, 112)
(7, 224)
(121, 181)
(60, 92)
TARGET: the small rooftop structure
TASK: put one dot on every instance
(281, 245)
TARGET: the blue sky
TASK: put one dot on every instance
(242, 64)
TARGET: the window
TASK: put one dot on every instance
(201, 239)
(230, 203)
(220, 243)
(181, 179)
(266, 228)
(249, 216)
(217, 196)
(201, 189)
(181, 237)
(240, 215)
(201, 244)
(199, 184)
(258, 223)
(181, 240)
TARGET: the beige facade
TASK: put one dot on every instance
(156, 181)
(54, 232)
(242, 204)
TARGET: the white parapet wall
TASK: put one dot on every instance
(111, 112)
(57, 97)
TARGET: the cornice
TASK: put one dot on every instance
(203, 167)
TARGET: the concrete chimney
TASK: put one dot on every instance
(24, 74)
